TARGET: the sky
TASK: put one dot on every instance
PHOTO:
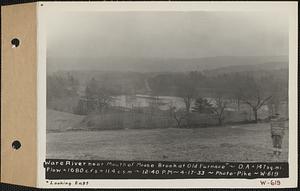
(166, 34)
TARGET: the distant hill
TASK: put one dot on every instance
(249, 68)
(163, 64)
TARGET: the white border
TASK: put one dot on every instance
(53, 7)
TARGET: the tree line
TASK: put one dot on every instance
(194, 88)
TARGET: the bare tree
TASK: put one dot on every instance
(103, 99)
(255, 95)
(218, 108)
(99, 96)
(256, 104)
(187, 91)
(179, 115)
(187, 101)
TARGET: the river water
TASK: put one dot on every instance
(163, 102)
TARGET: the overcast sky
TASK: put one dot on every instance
(166, 34)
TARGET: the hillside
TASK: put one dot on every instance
(58, 121)
(157, 64)
(268, 66)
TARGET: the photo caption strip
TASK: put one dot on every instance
(90, 169)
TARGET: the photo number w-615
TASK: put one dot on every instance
(270, 182)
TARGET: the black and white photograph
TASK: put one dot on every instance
(183, 86)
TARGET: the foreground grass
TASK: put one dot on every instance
(250, 142)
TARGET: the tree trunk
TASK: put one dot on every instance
(220, 121)
(178, 120)
(188, 120)
(187, 106)
(255, 115)
(187, 102)
(178, 123)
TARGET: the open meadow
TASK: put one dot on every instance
(251, 142)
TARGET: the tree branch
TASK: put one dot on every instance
(264, 101)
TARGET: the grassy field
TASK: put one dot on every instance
(250, 142)
(58, 121)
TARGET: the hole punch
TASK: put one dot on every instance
(16, 145)
(15, 42)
